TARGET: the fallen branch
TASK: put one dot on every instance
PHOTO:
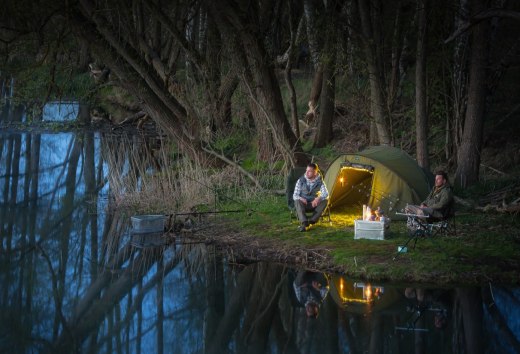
(463, 202)
(133, 118)
(494, 169)
(234, 164)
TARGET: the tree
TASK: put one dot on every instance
(312, 11)
(421, 112)
(468, 162)
(258, 76)
(368, 16)
(328, 84)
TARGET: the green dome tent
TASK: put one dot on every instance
(379, 176)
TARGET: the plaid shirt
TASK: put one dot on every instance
(323, 193)
(305, 293)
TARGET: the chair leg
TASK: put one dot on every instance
(413, 236)
(326, 213)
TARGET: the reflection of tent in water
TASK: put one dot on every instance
(377, 176)
(358, 297)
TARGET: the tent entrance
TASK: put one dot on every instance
(353, 185)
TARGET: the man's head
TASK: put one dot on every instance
(312, 309)
(441, 178)
(312, 171)
(440, 320)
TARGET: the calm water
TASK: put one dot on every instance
(74, 279)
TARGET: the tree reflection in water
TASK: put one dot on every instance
(72, 281)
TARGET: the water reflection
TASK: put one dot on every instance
(73, 280)
(310, 289)
(60, 111)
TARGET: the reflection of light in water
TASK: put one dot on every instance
(359, 292)
(368, 293)
(60, 111)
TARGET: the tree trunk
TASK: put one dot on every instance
(328, 60)
(311, 11)
(468, 162)
(313, 31)
(459, 80)
(214, 297)
(324, 133)
(399, 38)
(375, 78)
(472, 318)
(233, 313)
(261, 308)
(259, 77)
(92, 191)
(317, 85)
(288, 68)
(266, 148)
(421, 113)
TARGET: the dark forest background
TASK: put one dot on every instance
(237, 82)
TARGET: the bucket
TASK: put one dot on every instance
(147, 223)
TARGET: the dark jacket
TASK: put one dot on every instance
(440, 199)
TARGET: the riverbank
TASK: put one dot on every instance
(485, 248)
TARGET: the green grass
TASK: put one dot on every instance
(486, 246)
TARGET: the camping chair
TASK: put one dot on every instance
(428, 227)
(291, 179)
(444, 226)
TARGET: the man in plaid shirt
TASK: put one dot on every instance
(310, 195)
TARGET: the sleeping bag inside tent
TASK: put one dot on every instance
(379, 176)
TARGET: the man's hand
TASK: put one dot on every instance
(303, 200)
(315, 202)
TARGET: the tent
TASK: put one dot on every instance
(379, 176)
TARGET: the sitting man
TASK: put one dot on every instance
(438, 202)
(310, 195)
(310, 289)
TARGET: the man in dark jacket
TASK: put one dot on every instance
(310, 195)
(438, 203)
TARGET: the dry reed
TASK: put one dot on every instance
(147, 180)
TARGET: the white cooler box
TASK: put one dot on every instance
(372, 230)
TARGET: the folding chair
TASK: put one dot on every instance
(428, 227)
(290, 183)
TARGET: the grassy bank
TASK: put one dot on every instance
(486, 246)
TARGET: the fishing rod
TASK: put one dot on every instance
(196, 213)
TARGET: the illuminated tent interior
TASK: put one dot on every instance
(379, 176)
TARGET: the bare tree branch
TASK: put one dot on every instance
(484, 15)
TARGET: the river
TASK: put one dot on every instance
(74, 279)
